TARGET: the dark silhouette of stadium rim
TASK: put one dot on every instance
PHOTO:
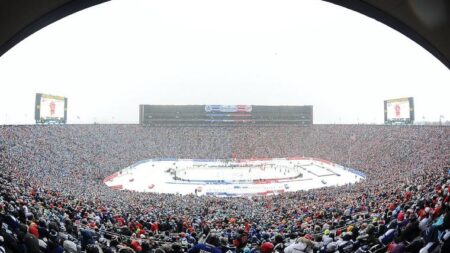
(425, 22)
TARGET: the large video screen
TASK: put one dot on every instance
(50, 108)
(400, 110)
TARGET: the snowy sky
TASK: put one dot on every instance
(110, 58)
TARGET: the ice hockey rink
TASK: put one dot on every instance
(232, 177)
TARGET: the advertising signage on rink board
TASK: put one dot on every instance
(226, 114)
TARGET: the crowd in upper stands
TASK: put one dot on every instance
(52, 196)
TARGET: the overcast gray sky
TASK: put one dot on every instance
(110, 58)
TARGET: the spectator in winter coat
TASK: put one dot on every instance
(87, 237)
(302, 245)
(211, 246)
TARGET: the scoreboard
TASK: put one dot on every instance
(399, 111)
(50, 109)
(228, 114)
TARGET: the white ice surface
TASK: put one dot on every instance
(236, 178)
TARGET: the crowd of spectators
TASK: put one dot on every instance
(52, 196)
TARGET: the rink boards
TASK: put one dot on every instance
(232, 177)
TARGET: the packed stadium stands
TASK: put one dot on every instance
(52, 196)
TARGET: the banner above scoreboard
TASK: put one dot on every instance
(228, 108)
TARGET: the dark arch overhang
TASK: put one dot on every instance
(413, 18)
(21, 18)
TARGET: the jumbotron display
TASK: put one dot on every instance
(228, 114)
(400, 110)
(50, 109)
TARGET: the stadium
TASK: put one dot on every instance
(413, 175)
(224, 178)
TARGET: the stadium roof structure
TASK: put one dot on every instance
(427, 22)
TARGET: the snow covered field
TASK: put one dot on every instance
(231, 178)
